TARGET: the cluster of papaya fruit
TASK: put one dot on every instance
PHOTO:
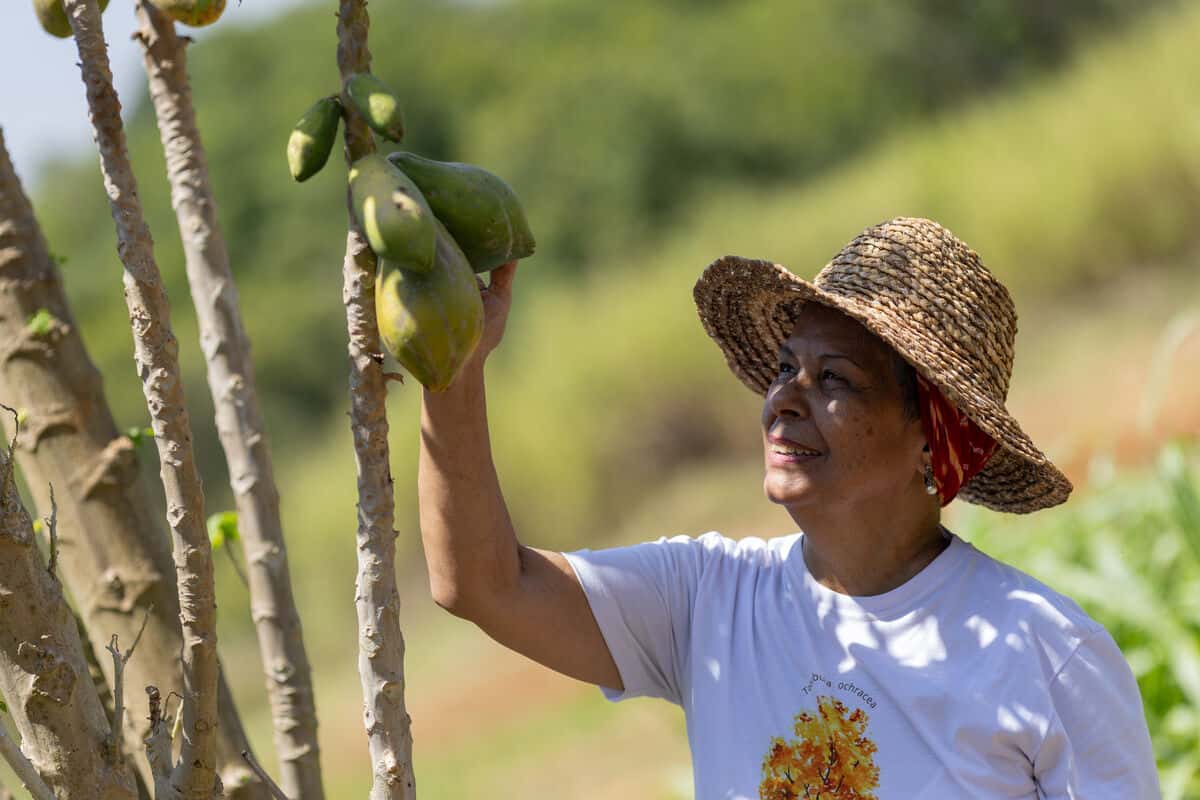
(433, 225)
(196, 13)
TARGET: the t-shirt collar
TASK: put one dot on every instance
(893, 603)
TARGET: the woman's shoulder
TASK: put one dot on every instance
(1028, 613)
(717, 543)
(748, 550)
(713, 553)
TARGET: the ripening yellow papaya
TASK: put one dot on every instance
(479, 209)
(430, 322)
(393, 213)
(196, 13)
(53, 16)
(377, 104)
(312, 139)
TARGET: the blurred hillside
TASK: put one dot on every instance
(646, 140)
(612, 121)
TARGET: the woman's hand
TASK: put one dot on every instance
(497, 300)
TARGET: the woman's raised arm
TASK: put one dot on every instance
(528, 600)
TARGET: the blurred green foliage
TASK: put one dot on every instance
(222, 528)
(611, 120)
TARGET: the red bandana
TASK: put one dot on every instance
(958, 448)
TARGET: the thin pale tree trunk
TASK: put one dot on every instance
(113, 555)
(43, 673)
(380, 643)
(239, 421)
(26, 774)
(156, 355)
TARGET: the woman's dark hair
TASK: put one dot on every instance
(906, 376)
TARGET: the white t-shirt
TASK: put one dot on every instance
(971, 680)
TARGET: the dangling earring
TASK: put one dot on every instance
(930, 486)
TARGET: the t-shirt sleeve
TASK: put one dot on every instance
(1099, 745)
(642, 597)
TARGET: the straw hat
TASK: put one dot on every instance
(923, 291)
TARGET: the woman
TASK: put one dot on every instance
(875, 654)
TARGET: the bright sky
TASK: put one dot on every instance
(43, 109)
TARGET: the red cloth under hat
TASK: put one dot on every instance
(958, 448)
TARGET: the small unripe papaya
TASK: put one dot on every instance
(377, 104)
(392, 212)
(196, 13)
(53, 16)
(430, 322)
(479, 209)
(312, 139)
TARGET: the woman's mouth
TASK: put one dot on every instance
(789, 454)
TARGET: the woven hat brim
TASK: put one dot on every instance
(748, 308)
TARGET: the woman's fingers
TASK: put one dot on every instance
(497, 299)
(502, 279)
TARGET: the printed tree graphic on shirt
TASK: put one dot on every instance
(831, 757)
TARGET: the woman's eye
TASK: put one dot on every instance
(784, 367)
(830, 375)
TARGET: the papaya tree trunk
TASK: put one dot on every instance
(239, 422)
(43, 674)
(27, 776)
(380, 643)
(156, 356)
(113, 555)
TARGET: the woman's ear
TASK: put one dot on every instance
(926, 459)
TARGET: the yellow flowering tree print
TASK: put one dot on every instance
(831, 757)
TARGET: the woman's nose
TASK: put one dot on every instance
(789, 397)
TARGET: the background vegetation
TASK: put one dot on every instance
(647, 139)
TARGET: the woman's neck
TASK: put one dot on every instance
(866, 555)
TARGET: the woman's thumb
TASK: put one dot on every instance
(502, 278)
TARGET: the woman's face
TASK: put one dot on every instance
(834, 427)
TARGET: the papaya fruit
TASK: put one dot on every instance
(393, 213)
(377, 104)
(196, 13)
(479, 209)
(430, 322)
(53, 16)
(311, 141)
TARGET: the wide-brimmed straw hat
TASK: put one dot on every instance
(923, 291)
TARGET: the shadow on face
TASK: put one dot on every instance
(832, 330)
(840, 422)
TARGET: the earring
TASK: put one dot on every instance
(930, 485)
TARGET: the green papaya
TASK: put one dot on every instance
(377, 104)
(393, 214)
(431, 322)
(53, 16)
(479, 209)
(196, 13)
(312, 139)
